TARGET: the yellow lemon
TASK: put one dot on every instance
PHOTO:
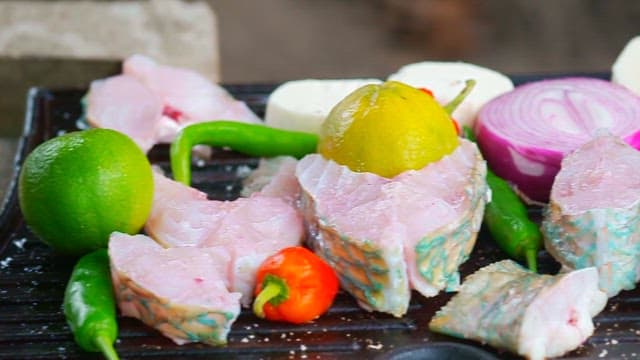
(387, 129)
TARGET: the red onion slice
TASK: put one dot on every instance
(525, 133)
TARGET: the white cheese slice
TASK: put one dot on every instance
(302, 105)
(447, 79)
(626, 68)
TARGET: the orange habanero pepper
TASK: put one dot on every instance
(294, 285)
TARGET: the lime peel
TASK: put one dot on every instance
(76, 189)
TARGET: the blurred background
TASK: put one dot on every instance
(281, 39)
(69, 43)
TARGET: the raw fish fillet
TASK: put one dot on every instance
(182, 292)
(275, 177)
(151, 103)
(387, 236)
(536, 316)
(302, 105)
(188, 96)
(593, 217)
(248, 229)
(122, 103)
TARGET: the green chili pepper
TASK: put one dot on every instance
(507, 219)
(89, 304)
(251, 139)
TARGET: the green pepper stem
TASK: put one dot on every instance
(105, 345)
(270, 291)
(453, 104)
(531, 256)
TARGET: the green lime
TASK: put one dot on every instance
(76, 189)
(387, 129)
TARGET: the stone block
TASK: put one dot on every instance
(173, 32)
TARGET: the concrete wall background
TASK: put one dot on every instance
(282, 39)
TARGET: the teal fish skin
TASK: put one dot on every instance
(185, 297)
(536, 316)
(592, 219)
(385, 236)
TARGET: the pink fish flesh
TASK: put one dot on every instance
(536, 316)
(274, 177)
(124, 104)
(151, 103)
(387, 236)
(592, 219)
(187, 96)
(182, 292)
(249, 229)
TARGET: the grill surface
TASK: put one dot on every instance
(32, 281)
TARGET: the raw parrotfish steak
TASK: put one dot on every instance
(386, 236)
(182, 292)
(593, 217)
(536, 316)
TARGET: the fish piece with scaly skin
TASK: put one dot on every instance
(249, 229)
(536, 316)
(592, 219)
(124, 104)
(386, 236)
(185, 296)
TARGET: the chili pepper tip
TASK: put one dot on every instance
(531, 256)
(105, 345)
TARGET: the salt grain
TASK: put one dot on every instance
(82, 124)
(603, 353)
(20, 243)
(243, 171)
(244, 340)
(5, 263)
